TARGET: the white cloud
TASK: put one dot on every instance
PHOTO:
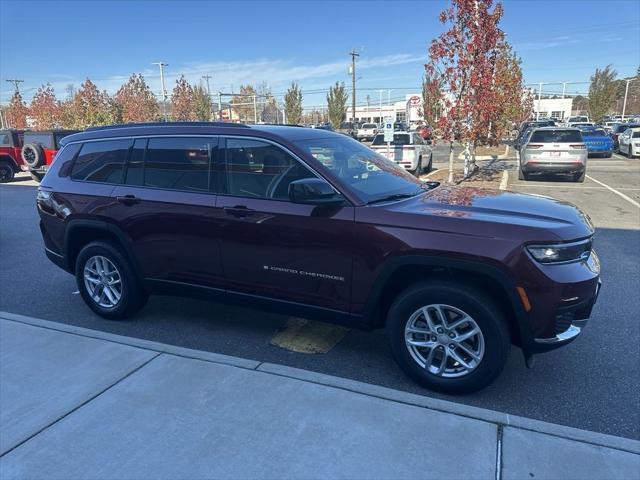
(278, 74)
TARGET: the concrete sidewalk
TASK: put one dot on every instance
(78, 403)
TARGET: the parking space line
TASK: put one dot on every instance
(620, 194)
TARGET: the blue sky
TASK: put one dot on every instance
(239, 42)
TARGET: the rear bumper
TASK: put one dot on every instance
(553, 167)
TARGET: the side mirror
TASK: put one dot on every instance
(313, 191)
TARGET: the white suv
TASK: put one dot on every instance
(367, 131)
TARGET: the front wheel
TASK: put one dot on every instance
(107, 282)
(418, 169)
(448, 337)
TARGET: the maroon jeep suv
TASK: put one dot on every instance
(313, 223)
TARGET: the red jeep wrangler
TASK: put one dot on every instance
(10, 153)
(39, 150)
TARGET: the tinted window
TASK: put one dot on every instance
(44, 139)
(364, 170)
(60, 136)
(369, 125)
(101, 161)
(398, 139)
(261, 170)
(556, 136)
(135, 166)
(65, 158)
(178, 163)
(5, 140)
(594, 133)
(636, 134)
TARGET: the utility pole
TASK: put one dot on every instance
(207, 77)
(626, 92)
(164, 91)
(219, 105)
(380, 118)
(539, 97)
(255, 111)
(16, 82)
(353, 84)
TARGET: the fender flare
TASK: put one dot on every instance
(123, 239)
(524, 333)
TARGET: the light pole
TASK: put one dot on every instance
(164, 91)
(539, 97)
(380, 119)
(207, 77)
(626, 92)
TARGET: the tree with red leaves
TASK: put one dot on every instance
(45, 109)
(182, 108)
(90, 107)
(466, 58)
(17, 112)
(136, 102)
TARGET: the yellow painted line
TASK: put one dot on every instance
(308, 336)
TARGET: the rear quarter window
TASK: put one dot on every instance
(556, 136)
(101, 161)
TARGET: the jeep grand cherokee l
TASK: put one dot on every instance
(313, 223)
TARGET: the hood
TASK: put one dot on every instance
(498, 213)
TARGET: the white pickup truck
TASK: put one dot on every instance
(408, 150)
(367, 131)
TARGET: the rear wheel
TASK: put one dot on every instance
(107, 282)
(418, 169)
(6, 172)
(448, 337)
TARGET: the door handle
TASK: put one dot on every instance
(128, 199)
(238, 211)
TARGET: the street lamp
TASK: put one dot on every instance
(164, 91)
(626, 92)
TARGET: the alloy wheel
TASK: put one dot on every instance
(102, 281)
(444, 340)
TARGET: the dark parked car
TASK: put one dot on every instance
(313, 223)
(619, 129)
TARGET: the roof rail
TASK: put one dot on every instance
(168, 124)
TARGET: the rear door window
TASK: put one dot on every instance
(177, 163)
(102, 161)
(556, 136)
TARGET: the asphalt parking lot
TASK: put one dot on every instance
(591, 384)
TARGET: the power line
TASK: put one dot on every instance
(16, 82)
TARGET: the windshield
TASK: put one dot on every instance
(578, 119)
(594, 133)
(369, 125)
(398, 139)
(370, 174)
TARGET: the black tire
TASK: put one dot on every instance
(430, 164)
(36, 176)
(33, 155)
(7, 172)
(418, 169)
(521, 175)
(608, 155)
(484, 311)
(579, 177)
(133, 296)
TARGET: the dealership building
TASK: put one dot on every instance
(401, 111)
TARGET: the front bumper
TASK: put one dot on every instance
(567, 317)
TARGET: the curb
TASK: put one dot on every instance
(444, 406)
(489, 157)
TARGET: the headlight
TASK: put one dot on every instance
(561, 252)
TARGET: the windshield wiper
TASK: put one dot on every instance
(390, 198)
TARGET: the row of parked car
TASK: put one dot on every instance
(544, 147)
(28, 151)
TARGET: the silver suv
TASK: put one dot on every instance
(553, 150)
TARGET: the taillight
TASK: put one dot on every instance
(578, 146)
(534, 145)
